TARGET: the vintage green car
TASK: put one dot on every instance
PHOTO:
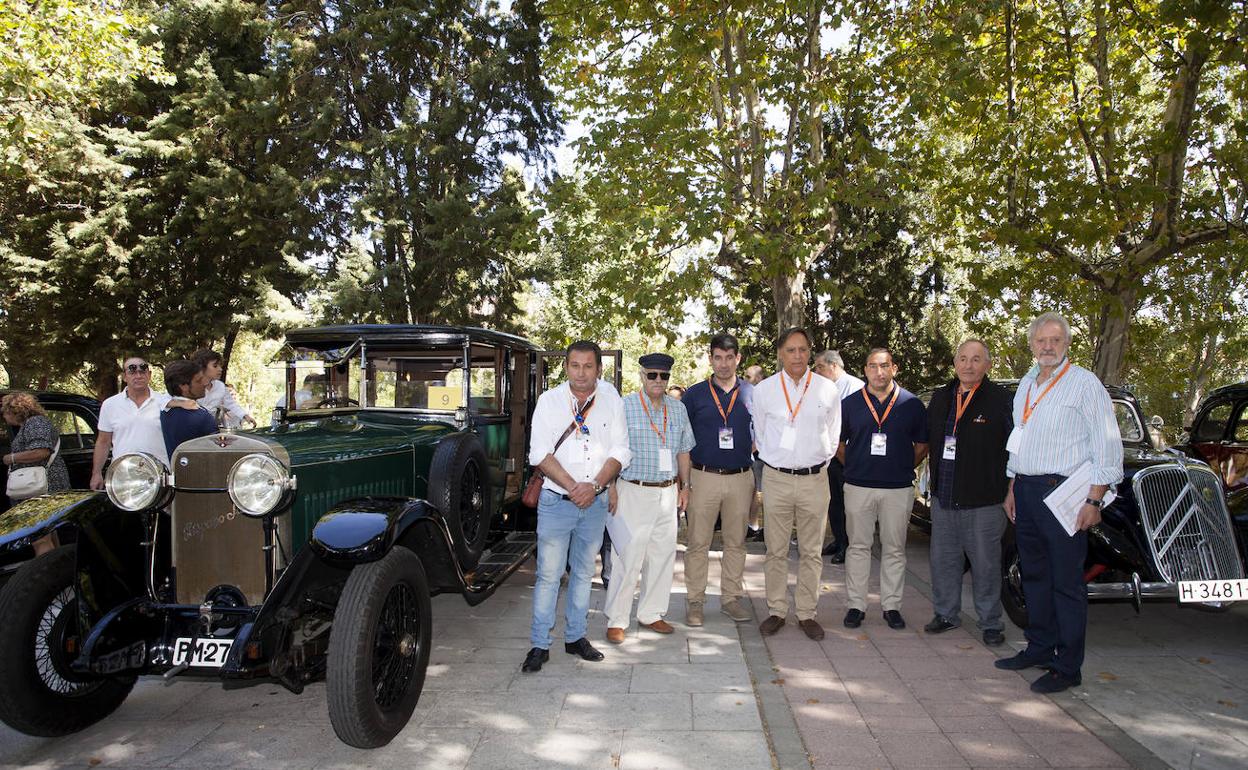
(303, 551)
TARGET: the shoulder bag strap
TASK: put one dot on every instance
(55, 450)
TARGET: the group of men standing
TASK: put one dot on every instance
(834, 450)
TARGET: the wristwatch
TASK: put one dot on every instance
(598, 488)
(1095, 503)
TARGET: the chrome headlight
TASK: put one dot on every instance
(136, 482)
(258, 484)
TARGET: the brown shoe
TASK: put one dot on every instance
(615, 635)
(771, 625)
(659, 626)
(811, 628)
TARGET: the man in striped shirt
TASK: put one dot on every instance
(1063, 420)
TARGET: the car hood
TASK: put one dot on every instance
(346, 437)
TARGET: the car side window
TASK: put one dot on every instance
(66, 425)
(1240, 434)
(1213, 426)
(1128, 425)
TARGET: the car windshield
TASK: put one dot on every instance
(1128, 423)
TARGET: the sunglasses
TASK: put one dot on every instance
(136, 368)
(658, 375)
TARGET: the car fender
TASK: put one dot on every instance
(30, 520)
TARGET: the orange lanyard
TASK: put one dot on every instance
(793, 412)
(880, 420)
(1029, 407)
(962, 405)
(662, 436)
(731, 402)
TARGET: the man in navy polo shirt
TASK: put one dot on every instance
(722, 482)
(883, 438)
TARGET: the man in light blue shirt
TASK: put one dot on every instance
(650, 491)
(1063, 420)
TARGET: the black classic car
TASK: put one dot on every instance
(1218, 436)
(299, 552)
(75, 418)
(1168, 523)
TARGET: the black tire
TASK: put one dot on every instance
(39, 694)
(1012, 598)
(459, 487)
(379, 649)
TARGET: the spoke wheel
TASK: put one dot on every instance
(459, 487)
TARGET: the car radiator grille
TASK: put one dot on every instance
(1186, 522)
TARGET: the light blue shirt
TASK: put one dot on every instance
(644, 442)
(1071, 425)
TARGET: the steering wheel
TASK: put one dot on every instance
(336, 402)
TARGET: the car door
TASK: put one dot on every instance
(77, 441)
(1234, 451)
(1210, 437)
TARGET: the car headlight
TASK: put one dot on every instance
(257, 484)
(136, 482)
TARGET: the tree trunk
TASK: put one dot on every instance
(789, 292)
(1198, 380)
(103, 375)
(1113, 329)
(226, 352)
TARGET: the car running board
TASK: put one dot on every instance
(497, 564)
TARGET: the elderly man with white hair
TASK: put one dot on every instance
(830, 364)
(1063, 420)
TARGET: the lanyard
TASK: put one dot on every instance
(793, 412)
(1029, 407)
(880, 420)
(962, 405)
(662, 436)
(731, 402)
(578, 415)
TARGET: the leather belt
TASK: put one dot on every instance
(659, 484)
(797, 471)
(565, 497)
(722, 471)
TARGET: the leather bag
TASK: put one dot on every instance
(533, 490)
(30, 482)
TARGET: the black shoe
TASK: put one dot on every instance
(853, 618)
(1054, 682)
(894, 620)
(755, 535)
(832, 548)
(939, 625)
(583, 648)
(534, 660)
(1020, 662)
(837, 557)
(993, 637)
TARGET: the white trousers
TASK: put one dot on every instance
(650, 513)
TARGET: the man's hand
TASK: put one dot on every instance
(97, 480)
(1089, 516)
(682, 499)
(582, 494)
(1008, 505)
(613, 499)
(249, 420)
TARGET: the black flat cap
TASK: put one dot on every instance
(660, 362)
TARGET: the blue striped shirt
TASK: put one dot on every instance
(644, 442)
(1073, 424)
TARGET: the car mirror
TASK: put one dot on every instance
(1157, 422)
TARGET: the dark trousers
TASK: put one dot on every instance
(836, 503)
(1052, 566)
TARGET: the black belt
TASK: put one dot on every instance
(565, 497)
(722, 471)
(1050, 479)
(659, 484)
(797, 471)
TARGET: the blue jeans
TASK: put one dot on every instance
(565, 535)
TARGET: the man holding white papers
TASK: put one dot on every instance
(1063, 420)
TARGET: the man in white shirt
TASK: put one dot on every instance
(830, 364)
(130, 421)
(797, 422)
(580, 443)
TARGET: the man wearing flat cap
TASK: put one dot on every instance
(653, 487)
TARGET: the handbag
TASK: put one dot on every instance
(30, 482)
(533, 490)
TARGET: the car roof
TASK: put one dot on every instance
(56, 397)
(1235, 390)
(384, 336)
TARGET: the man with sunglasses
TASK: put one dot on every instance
(130, 421)
(653, 487)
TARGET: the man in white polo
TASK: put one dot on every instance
(130, 421)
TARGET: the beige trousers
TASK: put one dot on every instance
(864, 506)
(802, 502)
(650, 513)
(712, 496)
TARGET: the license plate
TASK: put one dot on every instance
(207, 652)
(1213, 590)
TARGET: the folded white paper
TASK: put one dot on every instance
(620, 534)
(1067, 498)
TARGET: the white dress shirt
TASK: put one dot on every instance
(218, 396)
(817, 425)
(848, 384)
(135, 428)
(581, 455)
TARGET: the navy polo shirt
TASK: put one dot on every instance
(906, 426)
(178, 425)
(706, 422)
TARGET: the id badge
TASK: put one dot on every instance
(879, 444)
(951, 448)
(1015, 441)
(725, 438)
(788, 438)
(665, 460)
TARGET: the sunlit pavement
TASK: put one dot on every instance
(1167, 684)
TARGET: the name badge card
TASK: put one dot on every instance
(665, 460)
(788, 438)
(1015, 441)
(879, 444)
(951, 448)
(725, 438)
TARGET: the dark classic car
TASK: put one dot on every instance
(1218, 436)
(1169, 523)
(75, 418)
(303, 551)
